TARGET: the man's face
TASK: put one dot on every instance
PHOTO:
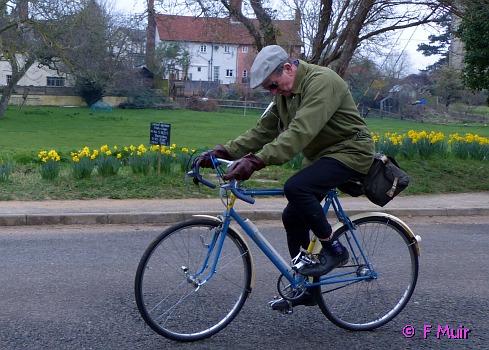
(280, 83)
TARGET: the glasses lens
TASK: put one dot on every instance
(273, 86)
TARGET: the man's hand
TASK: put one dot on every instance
(243, 168)
(204, 160)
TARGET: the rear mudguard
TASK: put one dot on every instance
(238, 232)
(414, 239)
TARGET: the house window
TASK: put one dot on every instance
(227, 49)
(245, 73)
(203, 48)
(55, 81)
(9, 79)
(244, 49)
(216, 73)
(199, 69)
(229, 73)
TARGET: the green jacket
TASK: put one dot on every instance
(319, 120)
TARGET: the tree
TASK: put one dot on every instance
(332, 31)
(474, 33)
(167, 56)
(98, 51)
(29, 31)
(94, 49)
(439, 44)
(447, 85)
(362, 77)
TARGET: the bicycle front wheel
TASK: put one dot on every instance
(173, 290)
(372, 302)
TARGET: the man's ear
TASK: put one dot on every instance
(288, 68)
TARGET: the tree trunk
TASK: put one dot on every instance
(319, 44)
(7, 92)
(17, 74)
(350, 37)
(150, 39)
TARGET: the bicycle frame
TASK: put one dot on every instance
(208, 261)
(296, 280)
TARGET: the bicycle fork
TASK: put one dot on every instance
(214, 246)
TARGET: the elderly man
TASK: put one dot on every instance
(313, 113)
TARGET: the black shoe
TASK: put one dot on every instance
(328, 260)
(307, 299)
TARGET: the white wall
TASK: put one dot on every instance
(203, 64)
(35, 76)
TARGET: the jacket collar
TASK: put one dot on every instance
(301, 73)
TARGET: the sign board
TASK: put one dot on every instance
(159, 134)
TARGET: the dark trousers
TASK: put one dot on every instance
(305, 190)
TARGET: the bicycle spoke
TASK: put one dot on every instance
(372, 302)
(177, 303)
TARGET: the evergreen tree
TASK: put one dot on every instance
(438, 44)
(474, 33)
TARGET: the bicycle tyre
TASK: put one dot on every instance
(371, 303)
(170, 303)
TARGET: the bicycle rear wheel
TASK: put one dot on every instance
(371, 303)
(168, 293)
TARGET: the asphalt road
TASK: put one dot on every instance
(71, 287)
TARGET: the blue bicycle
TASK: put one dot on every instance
(195, 277)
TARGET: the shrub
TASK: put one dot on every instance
(388, 144)
(140, 160)
(469, 147)
(203, 105)
(296, 162)
(143, 99)
(49, 167)
(5, 169)
(90, 91)
(108, 162)
(83, 163)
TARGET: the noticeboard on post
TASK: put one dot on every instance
(159, 134)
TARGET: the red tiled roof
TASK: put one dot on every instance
(219, 30)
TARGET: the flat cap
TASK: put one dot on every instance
(265, 63)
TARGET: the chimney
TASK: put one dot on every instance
(234, 7)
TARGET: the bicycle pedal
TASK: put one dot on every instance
(304, 258)
(289, 311)
(285, 309)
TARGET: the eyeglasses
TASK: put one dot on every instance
(273, 86)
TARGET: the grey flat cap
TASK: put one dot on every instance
(265, 63)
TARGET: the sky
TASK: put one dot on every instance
(407, 40)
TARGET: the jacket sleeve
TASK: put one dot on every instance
(253, 140)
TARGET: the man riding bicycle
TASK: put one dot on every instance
(313, 113)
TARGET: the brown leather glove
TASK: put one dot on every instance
(204, 159)
(243, 168)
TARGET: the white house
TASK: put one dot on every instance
(35, 76)
(221, 49)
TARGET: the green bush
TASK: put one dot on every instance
(5, 169)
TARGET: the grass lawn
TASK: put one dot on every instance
(26, 132)
(66, 129)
